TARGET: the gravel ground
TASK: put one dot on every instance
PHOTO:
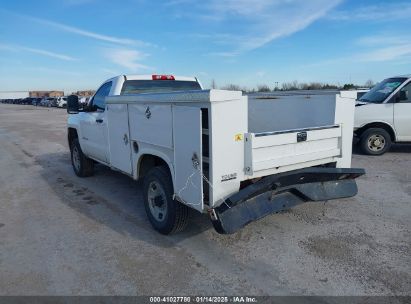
(62, 235)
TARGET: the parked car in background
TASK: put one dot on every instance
(26, 101)
(61, 102)
(383, 115)
(48, 102)
(35, 101)
(83, 100)
(53, 102)
(43, 102)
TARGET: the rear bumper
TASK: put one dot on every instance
(283, 191)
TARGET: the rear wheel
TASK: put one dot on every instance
(165, 214)
(82, 165)
(375, 141)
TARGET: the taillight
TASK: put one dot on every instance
(163, 77)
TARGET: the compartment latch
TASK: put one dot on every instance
(301, 136)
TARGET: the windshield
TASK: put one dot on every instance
(157, 86)
(382, 90)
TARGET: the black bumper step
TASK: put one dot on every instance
(283, 191)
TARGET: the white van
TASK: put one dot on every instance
(383, 115)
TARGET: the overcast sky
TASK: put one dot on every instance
(77, 44)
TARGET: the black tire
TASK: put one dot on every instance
(372, 136)
(82, 165)
(174, 215)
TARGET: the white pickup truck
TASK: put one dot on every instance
(383, 115)
(212, 151)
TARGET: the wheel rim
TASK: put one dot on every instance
(157, 201)
(76, 158)
(376, 142)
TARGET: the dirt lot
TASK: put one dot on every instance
(62, 235)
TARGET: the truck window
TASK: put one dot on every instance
(98, 101)
(157, 86)
(381, 91)
(406, 94)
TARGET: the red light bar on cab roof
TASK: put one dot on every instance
(163, 77)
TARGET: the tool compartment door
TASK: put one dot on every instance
(119, 137)
(188, 185)
(151, 124)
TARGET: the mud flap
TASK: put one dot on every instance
(281, 192)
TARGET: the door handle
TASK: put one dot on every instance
(99, 120)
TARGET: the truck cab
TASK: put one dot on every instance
(383, 115)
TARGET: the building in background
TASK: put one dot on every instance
(46, 93)
(87, 93)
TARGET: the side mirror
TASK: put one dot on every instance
(72, 104)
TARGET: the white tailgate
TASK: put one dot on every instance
(270, 153)
(188, 185)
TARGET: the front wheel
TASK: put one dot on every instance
(375, 141)
(165, 214)
(82, 165)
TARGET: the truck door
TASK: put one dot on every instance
(402, 114)
(93, 126)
